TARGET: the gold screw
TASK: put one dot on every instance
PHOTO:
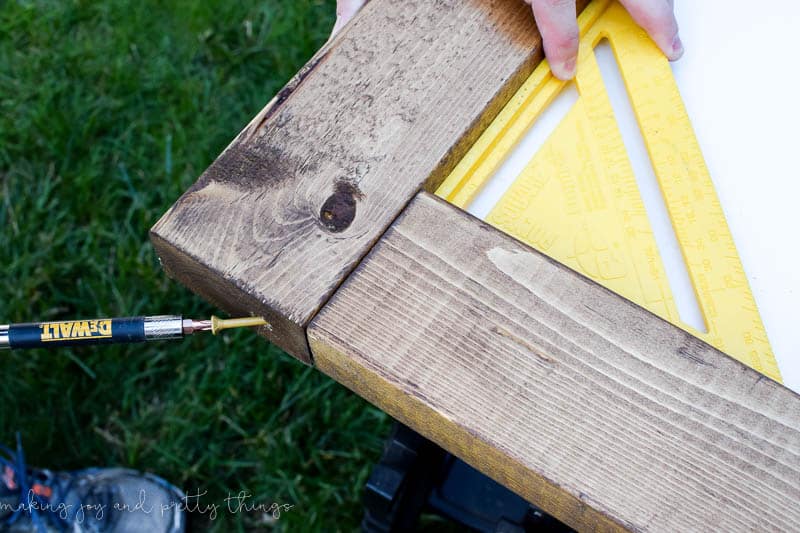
(219, 324)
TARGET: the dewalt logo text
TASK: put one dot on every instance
(77, 329)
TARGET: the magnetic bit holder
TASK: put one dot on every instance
(114, 330)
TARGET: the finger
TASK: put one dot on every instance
(345, 10)
(657, 17)
(556, 20)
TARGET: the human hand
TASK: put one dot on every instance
(559, 28)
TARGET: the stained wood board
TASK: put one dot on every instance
(596, 410)
(300, 196)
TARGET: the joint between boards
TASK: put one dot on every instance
(349, 273)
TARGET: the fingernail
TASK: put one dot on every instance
(565, 71)
(569, 66)
(677, 48)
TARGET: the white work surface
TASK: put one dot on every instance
(740, 86)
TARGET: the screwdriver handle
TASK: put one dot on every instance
(90, 332)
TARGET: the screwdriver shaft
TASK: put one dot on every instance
(113, 330)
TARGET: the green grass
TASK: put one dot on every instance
(108, 110)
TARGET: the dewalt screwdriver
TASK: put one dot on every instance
(113, 330)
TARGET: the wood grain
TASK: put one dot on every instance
(292, 205)
(584, 403)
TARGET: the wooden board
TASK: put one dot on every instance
(287, 211)
(589, 406)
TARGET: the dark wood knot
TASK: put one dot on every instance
(339, 210)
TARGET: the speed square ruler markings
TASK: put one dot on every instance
(578, 201)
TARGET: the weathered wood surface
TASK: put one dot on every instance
(584, 403)
(287, 211)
